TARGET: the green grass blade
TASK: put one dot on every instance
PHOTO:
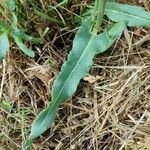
(133, 15)
(48, 18)
(85, 46)
(4, 27)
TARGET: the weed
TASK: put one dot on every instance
(17, 34)
(87, 43)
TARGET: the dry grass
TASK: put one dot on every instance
(111, 108)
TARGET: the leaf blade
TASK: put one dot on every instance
(4, 45)
(23, 47)
(133, 15)
(73, 70)
(18, 39)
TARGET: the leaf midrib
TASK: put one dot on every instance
(133, 16)
(54, 102)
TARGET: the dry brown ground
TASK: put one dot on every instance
(110, 110)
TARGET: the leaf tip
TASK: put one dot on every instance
(27, 144)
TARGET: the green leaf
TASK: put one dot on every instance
(80, 59)
(26, 37)
(18, 38)
(14, 22)
(23, 47)
(4, 45)
(11, 5)
(134, 16)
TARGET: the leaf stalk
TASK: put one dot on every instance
(99, 11)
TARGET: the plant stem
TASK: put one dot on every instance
(99, 10)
